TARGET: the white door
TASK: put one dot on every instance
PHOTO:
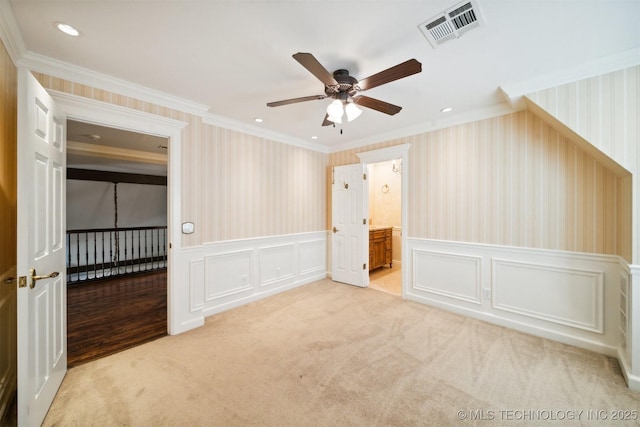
(349, 260)
(42, 320)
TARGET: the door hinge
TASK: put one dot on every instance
(364, 266)
(364, 221)
(364, 176)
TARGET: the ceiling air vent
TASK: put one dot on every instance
(452, 23)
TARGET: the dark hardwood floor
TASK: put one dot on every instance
(108, 316)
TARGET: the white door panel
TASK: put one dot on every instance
(42, 354)
(349, 257)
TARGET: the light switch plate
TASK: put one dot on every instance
(187, 227)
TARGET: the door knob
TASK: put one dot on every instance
(335, 230)
(35, 278)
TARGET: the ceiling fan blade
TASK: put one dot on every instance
(376, 104)
(309, 62)
(294, 100)
(326, 121)
(400, 71)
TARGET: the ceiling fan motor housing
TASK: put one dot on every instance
(346, 85)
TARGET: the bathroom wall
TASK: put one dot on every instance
(385, 194)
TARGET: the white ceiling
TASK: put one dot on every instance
(235, 56)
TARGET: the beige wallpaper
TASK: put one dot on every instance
(605, 110)
(511, 180)
(234, 186)
(8, 144)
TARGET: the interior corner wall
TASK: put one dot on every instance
(8, 173)
(605, 110)
(510, 180)
(8, 227)
(233, 185)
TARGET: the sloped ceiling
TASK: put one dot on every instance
(235, 56)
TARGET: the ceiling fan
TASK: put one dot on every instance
(344, 89)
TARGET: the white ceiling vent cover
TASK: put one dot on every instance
(452, 23)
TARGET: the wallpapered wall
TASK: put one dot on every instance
(8, 144)
(234, 186)
(511, 180)
(385, 194)
(605, 110)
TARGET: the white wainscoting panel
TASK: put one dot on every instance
(224, 275)
(312, 257)
(277, 265)
(448, 274)
(196, 285)
(569, 297)
(228, 274)
(524, 288)
(624, 317)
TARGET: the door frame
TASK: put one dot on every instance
(105, 114)
(382, 155)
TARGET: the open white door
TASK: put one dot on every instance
(42, 294)
(349, 260)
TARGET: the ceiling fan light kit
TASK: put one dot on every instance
(344, 89)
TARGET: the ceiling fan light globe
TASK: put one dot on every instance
(335, 119)
(335, 110)
(353, 112)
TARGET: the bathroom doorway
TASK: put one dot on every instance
(385, 226)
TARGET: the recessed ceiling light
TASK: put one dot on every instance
(314, 137)
(446, 109)
(67, 29)
(258, 120)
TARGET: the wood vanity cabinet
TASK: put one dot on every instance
(379, 247)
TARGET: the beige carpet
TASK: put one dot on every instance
(328, 354)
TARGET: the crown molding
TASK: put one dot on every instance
(73, 73)
(64, 70)
(430, 125)
(515, 91)
(223, 122)
(9, 32)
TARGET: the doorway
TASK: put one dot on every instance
(400, 155)
(116, 240)
(385, 226)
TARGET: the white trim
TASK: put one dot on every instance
(633, 381)
(514, 91)
(226, 123)
(88, 110)
(384, 154)
(64, 70)
(10, 33)
(429, 126)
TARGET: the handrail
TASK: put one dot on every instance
(85, 230)
(97, 253)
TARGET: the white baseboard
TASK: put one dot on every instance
(633, 381)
